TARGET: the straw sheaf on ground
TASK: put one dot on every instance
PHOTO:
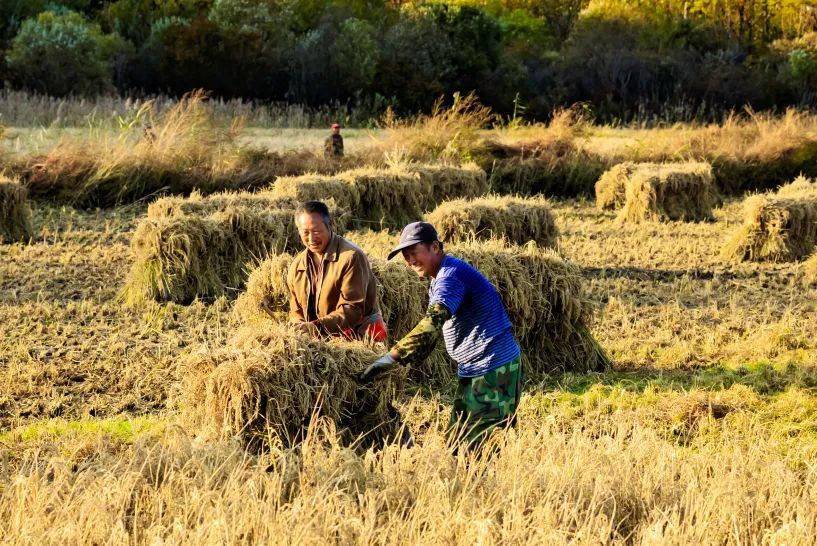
(669, 192)
(387, 197)
(402, 297)
(542, 292)
(777, 226)
(515, 219)
(272, 379)
(15, 214)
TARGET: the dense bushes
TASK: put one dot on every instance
(624, 59)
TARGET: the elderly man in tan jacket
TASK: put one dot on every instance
(332, 289)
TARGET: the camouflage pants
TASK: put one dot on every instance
(486, 402)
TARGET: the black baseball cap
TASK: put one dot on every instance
(415, 232)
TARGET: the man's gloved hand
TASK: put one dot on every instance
(382, 364)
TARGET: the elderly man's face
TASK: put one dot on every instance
(314, 232)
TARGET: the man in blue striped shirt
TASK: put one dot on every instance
(466, 309)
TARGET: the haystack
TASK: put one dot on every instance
(672, 191)
(543, 294)
(179, 258)
(515, 219)
(386, 197)
(272, 379)
(810, 270)
(777, 226)
(610, 192)
(15, 214)
(402, 297)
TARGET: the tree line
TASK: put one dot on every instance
(622, 59)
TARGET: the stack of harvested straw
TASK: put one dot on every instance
(542, 292)
(204, 246)
(777, 226)
(670, 191)
(15, 215)
(273, 380)
(515, 219)
(389, 197)
(610, 191)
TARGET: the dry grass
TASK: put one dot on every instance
(389, 197)
(541, 159)
(610, 188)
(175, 151)
(810, 270)
(669, 192)
(15, 214)
(515, 219)
(269, 383)
(779, 226)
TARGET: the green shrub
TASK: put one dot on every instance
(63, 54)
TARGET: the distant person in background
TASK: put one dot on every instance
(333, 145)
(332, 290)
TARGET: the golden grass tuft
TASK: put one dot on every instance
(386, 197)
(272, 379)
(515, 219)
(15, 214)
(542, 292)
(777, 226)
(610, 193)
(810, 270)
(671, 191)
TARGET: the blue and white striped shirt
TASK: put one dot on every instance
(478, 335)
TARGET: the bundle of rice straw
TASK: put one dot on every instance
(810, 270)
(777, 226)
(670, 191)
(610, 186)
(274, 380)
(515, 219)
(402, 297)
(15, 214)
(179, 258)
(199, 246)
(387, 197)
(542, 292)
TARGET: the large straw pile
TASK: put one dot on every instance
(181, 257)
(610, 192)
(515, 219)
(672, 191)
(542, 292)
(15, 215)
(388, 197)
(402, 297)
(275, 380)
(777, 226)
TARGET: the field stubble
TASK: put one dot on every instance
(705, 431)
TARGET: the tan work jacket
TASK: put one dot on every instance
(347, 296)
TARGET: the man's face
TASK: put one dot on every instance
(335, 130)
(423, 258)
(314, 232)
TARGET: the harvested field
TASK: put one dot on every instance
(777, 226)
(542, 292)
(272, 380)
(15, 214)
(668, 192)
(515, 219)
(386, 197)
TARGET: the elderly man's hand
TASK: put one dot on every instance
(382, 364)
(308, 328)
